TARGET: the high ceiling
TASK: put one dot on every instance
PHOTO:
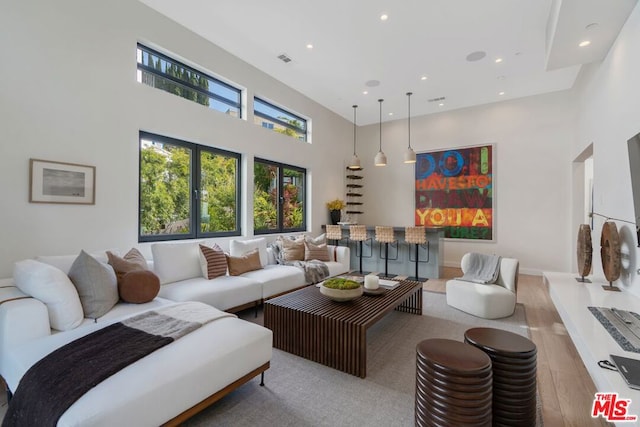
(537, 41)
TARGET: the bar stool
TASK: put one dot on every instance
(416, 236)
(384, 234)
(334, 232)
(358, 233)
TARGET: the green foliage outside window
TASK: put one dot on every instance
(265, 200)
(164, 190)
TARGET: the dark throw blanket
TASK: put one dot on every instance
(55, 382)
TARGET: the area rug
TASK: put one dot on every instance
(299, 392)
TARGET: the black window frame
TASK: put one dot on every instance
(194, 186)
(304, 131)
(281, 167)
(217, 97)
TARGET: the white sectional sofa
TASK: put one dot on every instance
(231, 293)
(174, 382)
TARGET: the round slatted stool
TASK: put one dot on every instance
(453, 384)
(514, 362)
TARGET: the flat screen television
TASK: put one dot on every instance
(634, 164)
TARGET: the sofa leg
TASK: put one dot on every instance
(256, 311)
(261, 380)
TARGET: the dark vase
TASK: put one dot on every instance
(335, 216)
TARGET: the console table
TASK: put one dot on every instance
(591, 339)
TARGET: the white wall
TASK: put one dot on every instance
(609, 115)
(68, 92)
(533, 138)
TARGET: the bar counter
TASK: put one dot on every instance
(404, 265)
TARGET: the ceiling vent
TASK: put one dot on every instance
(284, 58)
(437, 99)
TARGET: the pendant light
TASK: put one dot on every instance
(409, 155)
(354, 164)
(381, 158)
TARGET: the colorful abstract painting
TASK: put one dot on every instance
(455, 190)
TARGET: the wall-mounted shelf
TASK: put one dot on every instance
(354, 192)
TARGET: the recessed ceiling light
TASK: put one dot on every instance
(309, 46)
(498, 60)
(500, 93)
(591, 26)
(501, 77)
(584, 43)
(372, 83)
(391, 114)
(384, 17)
(423, 78)
(365, 92)
(441, 105)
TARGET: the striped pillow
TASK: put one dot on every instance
(212, 261)
(318, 252)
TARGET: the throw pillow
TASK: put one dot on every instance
(240, 247)
(132, 261)
(139, 286)
(51, 286)
(320, 240)
(212, 261)
(291, 250)
(96, 284)
(63, 262)
(247, 262)
(173, 262)
(317, 252)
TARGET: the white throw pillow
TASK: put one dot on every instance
(320, 240)
(51, 286)
(173, 262)
(64, 262)
(237, 248)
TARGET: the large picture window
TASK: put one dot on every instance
(282, 121)
(187, 190)
(279, 197)
(162, 72)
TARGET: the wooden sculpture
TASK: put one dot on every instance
(610, 254)
(585, 252)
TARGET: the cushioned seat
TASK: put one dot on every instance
(231, 291)
(489, 301)
(276, 279)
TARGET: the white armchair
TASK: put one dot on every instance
(489, 301)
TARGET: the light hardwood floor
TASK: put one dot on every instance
(566, 389)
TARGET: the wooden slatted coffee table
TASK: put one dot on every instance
(310, 325)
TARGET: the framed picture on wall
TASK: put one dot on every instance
(455, 189)
(59, 182)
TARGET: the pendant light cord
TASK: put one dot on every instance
(409, 118)
(380, 101)
(354, 129)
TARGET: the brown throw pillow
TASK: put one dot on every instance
(132, 261)
(292, 250)
(139, 286)
(212, 261)
(319, 252)
(247, 262)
